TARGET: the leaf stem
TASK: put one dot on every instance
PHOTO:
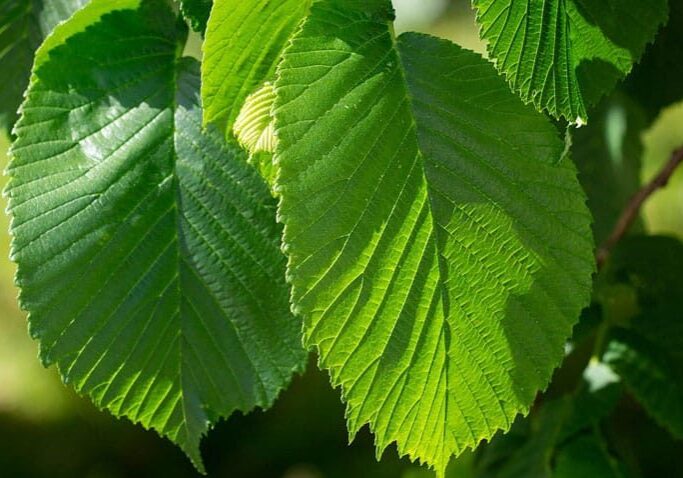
(633, 207)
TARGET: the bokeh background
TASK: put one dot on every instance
(48, 431)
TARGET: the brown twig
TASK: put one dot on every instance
(633, 207)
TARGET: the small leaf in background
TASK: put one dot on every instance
(23, 26)
(563, 55)
(439, 250)
(147, 249)
(534, 458)
(586, 456)
(649, 354)
(651, 375)
(244, 43)
(532, 447)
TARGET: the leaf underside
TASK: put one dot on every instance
(563, 55)
(147, 249)
(439, 251)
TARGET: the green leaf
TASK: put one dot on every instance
(651, 265)
(255, 125)
(656, 80)
(244, 42)
(589, 407)
(651, 375)
(563, 55)
(439, 250)
(23, 26)
(196, 12)
(649, 355)
(529, 450)
(586, 456)
(534, 458)
(147, 248)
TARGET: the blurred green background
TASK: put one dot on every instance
(48, 431)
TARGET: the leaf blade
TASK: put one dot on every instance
(372, 238)
(244, 41)
(563, 55)
(23, 26)
(157, 291)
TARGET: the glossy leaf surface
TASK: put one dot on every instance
(148, 250)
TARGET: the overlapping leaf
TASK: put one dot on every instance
(655, 81)
(244, 42)
(439, 249)
(563, 55)
(148, 251)
(23, 26)
(255, 130)
(197, 13)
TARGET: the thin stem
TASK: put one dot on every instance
(633, 207)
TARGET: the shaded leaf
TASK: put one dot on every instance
(651, 375)
(23, 26)
(586, 456)
(656, 81)
(530, 449)
(649, 355)
(196, 12)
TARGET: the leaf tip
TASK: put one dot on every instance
(191, 450)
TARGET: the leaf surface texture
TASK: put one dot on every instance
(244, 42)
(439, 249)
(563, 55)
(147, 249)
(23, 26)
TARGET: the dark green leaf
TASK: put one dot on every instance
(649, 356)
(197, 13)
(656, 80)
(148, 252)
(586, 456)
(23, 26)
(653, 376)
